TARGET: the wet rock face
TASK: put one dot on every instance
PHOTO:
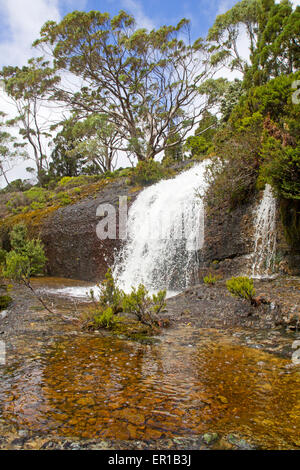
(229, 238)
(229, 242)
(74, 250)
(71, 243)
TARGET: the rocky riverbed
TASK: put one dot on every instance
(221, 376)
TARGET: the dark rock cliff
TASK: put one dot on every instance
(74, 250)
(69, 235)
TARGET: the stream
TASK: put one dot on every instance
(61, 382)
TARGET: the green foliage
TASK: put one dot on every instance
(63, 198)
(148, 172)
(200, 144)
(137, 80)
(241, 287)
(144, 306)
(5, 301)
(113, 300)
(33, 199)
(68, 182)
(210, 280)
(17, 185)
(27, 86)
(281, 168)
(277, 47)
(232, 176)
(226, 31)
(273, 33)
(105, 319)
(110, 295)
(259, 140)
(36, 194)
(27, 257)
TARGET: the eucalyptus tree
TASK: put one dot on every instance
(95, 140)
(10, 149)
(226, 33)
(142, 82)
(272, 30)
(28, 87)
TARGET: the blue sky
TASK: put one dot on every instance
(201, 12)
(21, 20)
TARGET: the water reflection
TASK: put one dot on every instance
(95, 387)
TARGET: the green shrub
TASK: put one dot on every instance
(36, 194)
(105, 319)
(17, 185)
(144, 306)
(36, 205)
(64, 198)
(5, 301)
(69, 182)
(148, 172)
(241, 287)
(113, 300)
(110, 295)
(125, 172)
(210, 280)
(27, 257)
(16, 202)
(77, 190)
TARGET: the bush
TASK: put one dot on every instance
(75, 181)
(105, 319)
(36, 194)
(241, 287)
(17, 185)
(27, 257)
(148, 172)
(210, 280)
(64, 198)
(113, 300)
(145, 307)
(17, 202)
(110, 295)
(5, 301)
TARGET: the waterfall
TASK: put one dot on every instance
(165, 233)
(265, 235)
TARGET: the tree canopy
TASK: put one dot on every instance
(142, 82)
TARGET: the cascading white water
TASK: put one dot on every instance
(165, 232)
(265, 235)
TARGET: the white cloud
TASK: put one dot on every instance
(22, 21)
(135, 8)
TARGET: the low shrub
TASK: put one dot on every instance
(69, 182)
(5, 301)
(63, 198)
(36, 194)
(241, 287)
(210, 280)
(113, 300)
(144, 306)
(105, 319)
(148, 172)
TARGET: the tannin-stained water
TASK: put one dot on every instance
(190, 383)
